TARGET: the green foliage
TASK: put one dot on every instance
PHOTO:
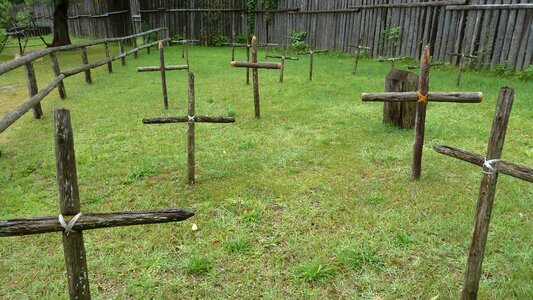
(218, 40)
(314, 271)
(526, 74)
(5, 17)
(197, 265)
(239, 245)
(298, 40)
(250, 21)
(359, 256)
(240, 39)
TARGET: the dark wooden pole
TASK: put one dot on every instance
(282, 64)
(134, 46)
(420, 123)
(163, 74)
(190, 136)
(69, 201)
(121, 50)
(108, 55)
(357, 54)
(247, 57)
(145, 41)
(486, 195)
(256, 79)
(33, 89)
(57, 72)
(85, 61)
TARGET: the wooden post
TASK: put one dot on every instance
(121, 50)
(33, 89)
(69, 201)
(163, 74)
(247, 58)
(423, 89)
(145, 41)
(401, 114)
(190, 136)
(134, 46)
(85, 61)
(486, 195)
(255, 75)
(461, 56)
(57, 72)
(357, 55)
(108, 55)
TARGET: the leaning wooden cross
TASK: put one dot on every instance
(311, 52)
(191, 119)
(162, 69)
(462, 58)
(71, 222)
(358, 49)
(283, 58)
(492, 165)
(256, 66)
(422, 97)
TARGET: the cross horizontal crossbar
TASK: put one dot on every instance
(185, 119)
(257, 65)
(158, 68)
(183, 42)
(393, 59)
(17, 227)
(467, 97)
(462, 55)
(312, 52)
(359, 47)
(500, 166)
(283, 57)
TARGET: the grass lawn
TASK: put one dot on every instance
(312, 201)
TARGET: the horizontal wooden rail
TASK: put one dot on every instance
(473, 97)
(185, 119)
(177, 10)
(491, 6)
(411, 4)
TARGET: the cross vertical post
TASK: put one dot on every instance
(69, 202)
(420, 122)
(357, 55)
(33, 89)
(57, 72)
(462, 58)
(85, 61)
(121, 50)
(108, 55)
(311, 52)
(190, 135)
(247, 57)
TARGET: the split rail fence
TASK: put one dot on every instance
(36, 95)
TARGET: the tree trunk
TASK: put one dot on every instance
(61, 36)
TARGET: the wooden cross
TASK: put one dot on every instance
(393, 60)
(422, 97)
(283, 58)
(185, 42)
(191, 119)
(311, 52)
(255, 65)
(492, 165)
(462, 57)
(418, 67)
(357, 54)
(71, 222)
(162, 69)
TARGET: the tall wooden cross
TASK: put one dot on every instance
(358, 49)
(492, 165)
(422, 97)
(311, 52)
(462, 58)
(191, 119)
(255, 65)
(283, 58)
(71, 222)
(162, 69)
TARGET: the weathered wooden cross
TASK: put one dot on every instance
(422, 96)
(283, 58)
(255, 65)
(191, 119)
(71, 222)
(393, 60)
(492, 165)
(311, 52)
(162, 69)
(358, 49)
(462, 58)
(185, 42)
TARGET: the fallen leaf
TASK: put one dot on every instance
(194, 227)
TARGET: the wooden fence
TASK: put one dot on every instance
(496, 31)
(36, 95)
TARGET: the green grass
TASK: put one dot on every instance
(283, 204)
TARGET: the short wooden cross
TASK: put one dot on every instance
(358, 49)
(492, 165)
(462, 58)
(255, 65)
(422, 97)
(393, 60)
(283, 58)
(311, 52)
(185, 43)
(191, 119)
(162, 69)
(71, 222)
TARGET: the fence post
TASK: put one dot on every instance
(108, 55)
(134, 46)
(121, 50)
(146, 41)
(85, 61)
(33, 89)
(57, 72)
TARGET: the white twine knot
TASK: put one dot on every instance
(490, 165)
(68, 227)
(191, 119)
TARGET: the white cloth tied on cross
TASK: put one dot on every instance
(68, 227)
(191, 119)
(489, 164)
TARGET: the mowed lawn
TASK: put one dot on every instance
(312, 201)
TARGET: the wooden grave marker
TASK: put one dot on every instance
(393, 60)
(283, 58)
(71, 222)
(422, 97)
(185, 43)
(462, 58)
(492, 165)
(311, 52)
(191, 119)
(358, 49)
(400, 114)
(255, 65)
(162, 69)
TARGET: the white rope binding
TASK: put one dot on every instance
(191, 119)
(489, 164)
(68, 227)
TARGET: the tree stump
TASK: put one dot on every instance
(401, 114)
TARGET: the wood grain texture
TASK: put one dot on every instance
(420, 123)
